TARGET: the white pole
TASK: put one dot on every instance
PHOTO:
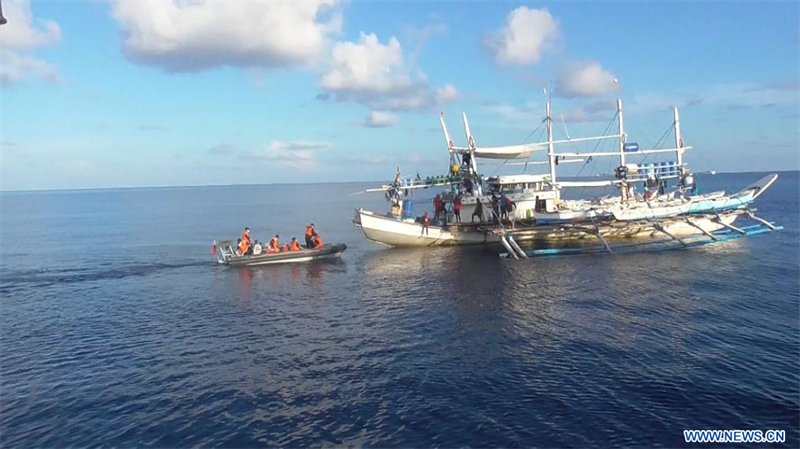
(550, 147)
(621, 134)
(678, 140)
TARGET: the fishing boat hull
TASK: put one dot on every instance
(738, 200)
(306, 255)
(390, 231)
(568, 216)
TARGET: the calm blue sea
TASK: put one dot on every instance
(118, 329)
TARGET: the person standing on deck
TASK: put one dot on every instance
(437, 206)
(426, 221)
(478, 212)
(246, 245)
(503, 207)
(310, 231)
(457, 208)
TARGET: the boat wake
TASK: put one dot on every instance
(12, 279)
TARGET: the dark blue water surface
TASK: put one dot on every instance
(117, 329)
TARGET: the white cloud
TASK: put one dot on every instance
(377, 119)
(378, 76)
(78, 166)
(447, 94)
(367, 67)
(585, 80)
(15, 68)
(297, 155)
(20, 33)
(599, 111)
(526, 35)
(529, 115)
(300, 146)
(21, 36)
(177, 35)
(731, 96)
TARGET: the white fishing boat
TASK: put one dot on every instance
(539, 212)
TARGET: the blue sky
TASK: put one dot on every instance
(128, 94)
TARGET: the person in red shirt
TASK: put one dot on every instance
(457, 208)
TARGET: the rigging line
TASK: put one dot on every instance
(647, 158)
(596, 146)
(523, 142)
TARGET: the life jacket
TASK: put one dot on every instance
(295, 246)
(275, 244)
(286, 248)
(319, 244)
(244, 246)
(309, 231)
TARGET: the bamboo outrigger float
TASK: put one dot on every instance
(664, 244)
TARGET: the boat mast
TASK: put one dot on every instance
(621, 133)
(678, 140)
(550, 147)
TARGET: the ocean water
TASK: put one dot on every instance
(118, 329)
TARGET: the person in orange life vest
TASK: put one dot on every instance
(295, 245)
(318, 243)
(274, 245)
(426, 221)
(286, 248)
(310, 231)
(246, 245)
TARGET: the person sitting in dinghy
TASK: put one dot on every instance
(318, 243)
(295, 245)
(274, 245)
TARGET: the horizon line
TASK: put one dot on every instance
(288, 183)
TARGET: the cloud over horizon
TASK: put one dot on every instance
(526, 35)
(378, 119)
(587, 79)
(178, 36)
(19, 38)
(378, 76)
